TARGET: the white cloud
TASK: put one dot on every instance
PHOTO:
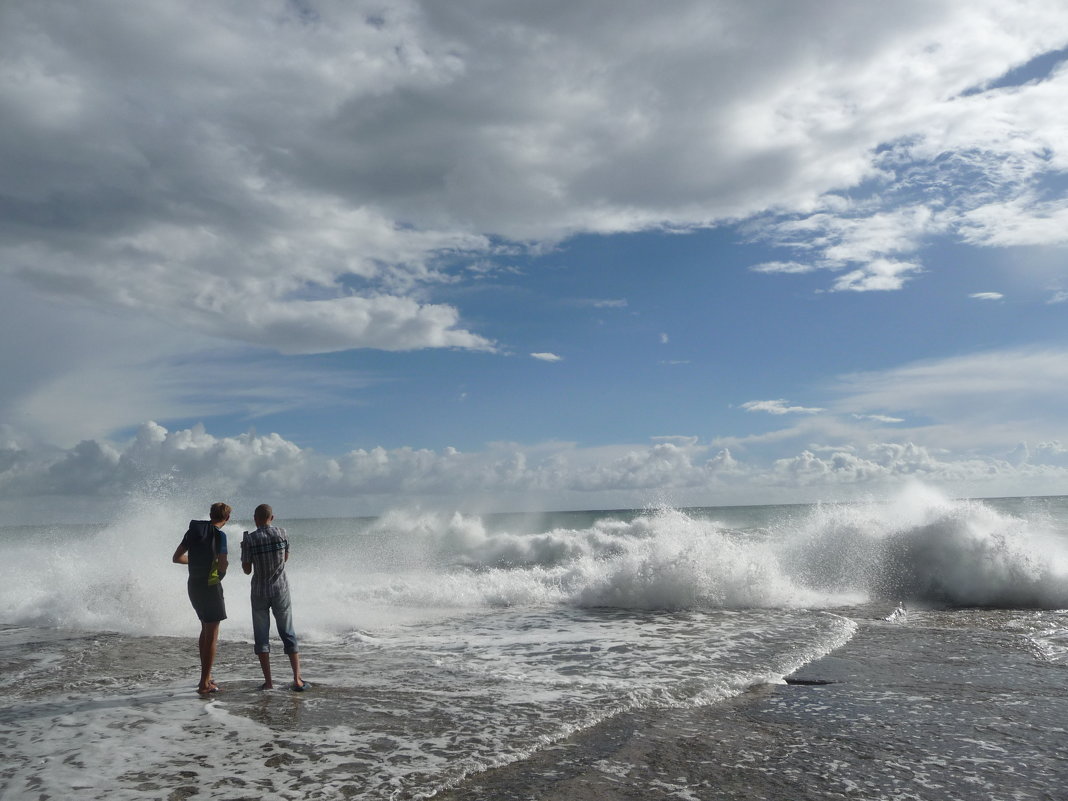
(383, 322)
(784, 267)
(879, 275)
(779, 406)
(969, 447)
(281, 293)
(884, 463)
(1059, 296)
(866, 243)
(192, 464)
(604, 303)
(980, 161)
(180, 191)
(879, 418)
(986, 296)
(977, 406)
(982, 402)
(251, 464)
(306, 184)
(292, 161)
(84, 374)
(1050, 453)
(1022, 220)
(547, 357)
(664, 339)
(980, 385)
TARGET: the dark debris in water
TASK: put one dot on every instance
(809, 682)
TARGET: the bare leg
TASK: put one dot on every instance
(294, 662)
(208, 645)
(265, 666)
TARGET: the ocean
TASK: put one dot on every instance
(912, 648)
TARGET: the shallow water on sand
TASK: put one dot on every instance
(953, 705)
(958, 704)
(398, 715)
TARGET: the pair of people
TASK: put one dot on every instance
(264, 553)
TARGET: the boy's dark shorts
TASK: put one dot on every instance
(207, 601)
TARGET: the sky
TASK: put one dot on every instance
(354, 256)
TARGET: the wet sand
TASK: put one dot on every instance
(931, 711)
(950, 706)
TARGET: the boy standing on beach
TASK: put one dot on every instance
(203, 548)
(266, 551)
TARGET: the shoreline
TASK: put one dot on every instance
(901, 711)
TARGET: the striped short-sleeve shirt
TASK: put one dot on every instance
(266, 549)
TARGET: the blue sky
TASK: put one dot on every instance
(564, 255)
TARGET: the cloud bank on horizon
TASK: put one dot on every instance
(191, 194)
(681, 470)
(189, 465)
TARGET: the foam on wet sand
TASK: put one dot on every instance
(932, 710)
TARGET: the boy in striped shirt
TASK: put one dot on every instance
(264, 553)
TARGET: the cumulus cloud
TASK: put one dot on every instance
(881, 462)
(251, 464)
(779, 406)
(192, 464)
(186, 193)
(308, 182)
(965, 155)
(305, 157)
(546, 357)
(383, 322)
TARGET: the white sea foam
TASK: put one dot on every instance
(404, 566)
(918, 547)
(928, 548)
(404, 715)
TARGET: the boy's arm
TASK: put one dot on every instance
(222, 558)
(181, 557)
(181, 553)
(246, 558)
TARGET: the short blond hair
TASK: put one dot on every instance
(220, 512)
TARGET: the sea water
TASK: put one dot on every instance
(445, 647)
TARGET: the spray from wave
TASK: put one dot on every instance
(919, 547)
(927, 548)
